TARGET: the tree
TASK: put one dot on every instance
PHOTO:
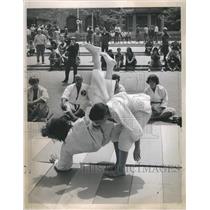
(172, 18)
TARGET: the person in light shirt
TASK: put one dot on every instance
(37, 101)
(40, 42)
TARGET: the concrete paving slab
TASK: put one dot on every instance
(51, 187)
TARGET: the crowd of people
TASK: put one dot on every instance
(63, 54)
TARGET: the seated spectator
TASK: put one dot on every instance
(62, 46)
(103, 62)
(75, 99)
(31, 48)
(55, 60)
(155, 60)
(148, 47)
(159, 102)
(130, 63)
(119, 59)
(118, 87)
(37, 101)
(174, 59)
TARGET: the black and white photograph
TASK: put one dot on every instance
(104, 106)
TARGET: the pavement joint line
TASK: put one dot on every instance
(135, 165)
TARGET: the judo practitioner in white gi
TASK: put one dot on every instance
(159, 102)
(75, 98)
(83, 136)
(131, 112)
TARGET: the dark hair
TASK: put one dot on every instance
(33, 80)
(98, 111)
(116, 77)
(153, 78)
(57, 127)
(155, 48)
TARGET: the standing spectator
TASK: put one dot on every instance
(97, 38)
(128, 36)
(119, 59)
(40, 41)
(105, 38)
(37, 101)
(156, 31)
(118, 87)
(112, 34)
(123, 36)
(146, 32)
(55, 60)
(165, 44)
(28, 33)
(70, 56)
(151, 33)
(65, 32)
(33, 31)
(89, 35)
(117, 35)
(138, 35)
(130, 60)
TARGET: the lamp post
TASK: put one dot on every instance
(78, 22)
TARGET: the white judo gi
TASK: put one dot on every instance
(132, 112)
(83, 137)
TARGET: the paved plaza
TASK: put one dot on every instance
(156, 179)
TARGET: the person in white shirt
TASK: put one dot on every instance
(37, 101)
(40, 42)
(146, 33)
(159, 101)
(156, 30)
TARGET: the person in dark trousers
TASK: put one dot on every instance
(89, 35)
(119, 58)
(165, 44)
(105, 38)
(70, 58)
(40, 43)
